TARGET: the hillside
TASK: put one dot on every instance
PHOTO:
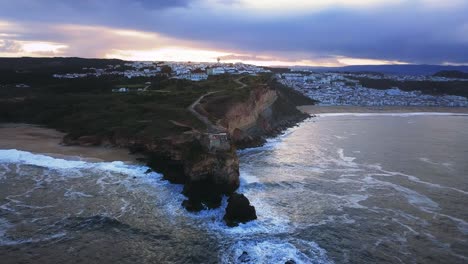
(191, 143)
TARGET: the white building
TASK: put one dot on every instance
(198, 76)
(120, 90)
(216, 71)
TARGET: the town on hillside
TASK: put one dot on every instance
(375, 89)
(177, 70)
(327, 88)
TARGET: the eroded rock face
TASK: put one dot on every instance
(245, 114)
(265, 113)
(239, 210)
(208, 169)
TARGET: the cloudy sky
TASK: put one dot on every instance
(265, 32)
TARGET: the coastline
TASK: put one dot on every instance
(316, 110)
(41, 140)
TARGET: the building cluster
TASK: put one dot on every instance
(405, 78)
(201, 71)
(128, 70)
(344, 89)
(179, 70)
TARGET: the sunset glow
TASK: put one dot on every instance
(273, 32)
(37, 47)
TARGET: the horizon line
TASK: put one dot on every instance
(268, 66)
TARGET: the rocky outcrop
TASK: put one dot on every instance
(206, 164)
(206, 161)
(239, 210)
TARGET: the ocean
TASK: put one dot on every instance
(338, 188)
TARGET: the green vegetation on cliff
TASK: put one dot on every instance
(87, 106)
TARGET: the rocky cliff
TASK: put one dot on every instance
(206, 161)
(268, 110)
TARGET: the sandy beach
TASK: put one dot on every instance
(313, 109)
(47, 141)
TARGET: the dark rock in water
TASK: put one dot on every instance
(239, 210)
(148, 171)
(202, 195)
(193, 206)
(244, 257)
(290, 262)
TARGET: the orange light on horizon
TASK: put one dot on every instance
(32, 47)
(184, 54)
(167, 54)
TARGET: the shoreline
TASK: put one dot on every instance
(317, 110)
(46, 141)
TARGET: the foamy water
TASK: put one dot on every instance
(342, 189)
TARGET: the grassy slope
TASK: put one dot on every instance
(88, 107)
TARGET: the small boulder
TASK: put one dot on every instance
(239, 210)
(244, 257)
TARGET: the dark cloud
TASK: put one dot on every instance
(406, 32)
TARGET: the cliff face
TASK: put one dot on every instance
(266, 113)
(246, 114)
(206, 163)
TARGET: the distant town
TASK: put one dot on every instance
(177, 70)
(346, 89)
(328, 88)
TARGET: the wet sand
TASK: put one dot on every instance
(47, 141)
(314, 109)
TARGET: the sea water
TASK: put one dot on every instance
(336, 189)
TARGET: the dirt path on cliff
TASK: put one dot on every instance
(212, 128)
(242, 85)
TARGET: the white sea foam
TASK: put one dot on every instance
(270, 142)
(344, 160)
(418, 200)
(247, 178)
(445, 164)
(70, 193)
(5, 240)
(5, 169)
(340, 137)
(413, 179)
(268, 222)
(23, 157)
(275, 251)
